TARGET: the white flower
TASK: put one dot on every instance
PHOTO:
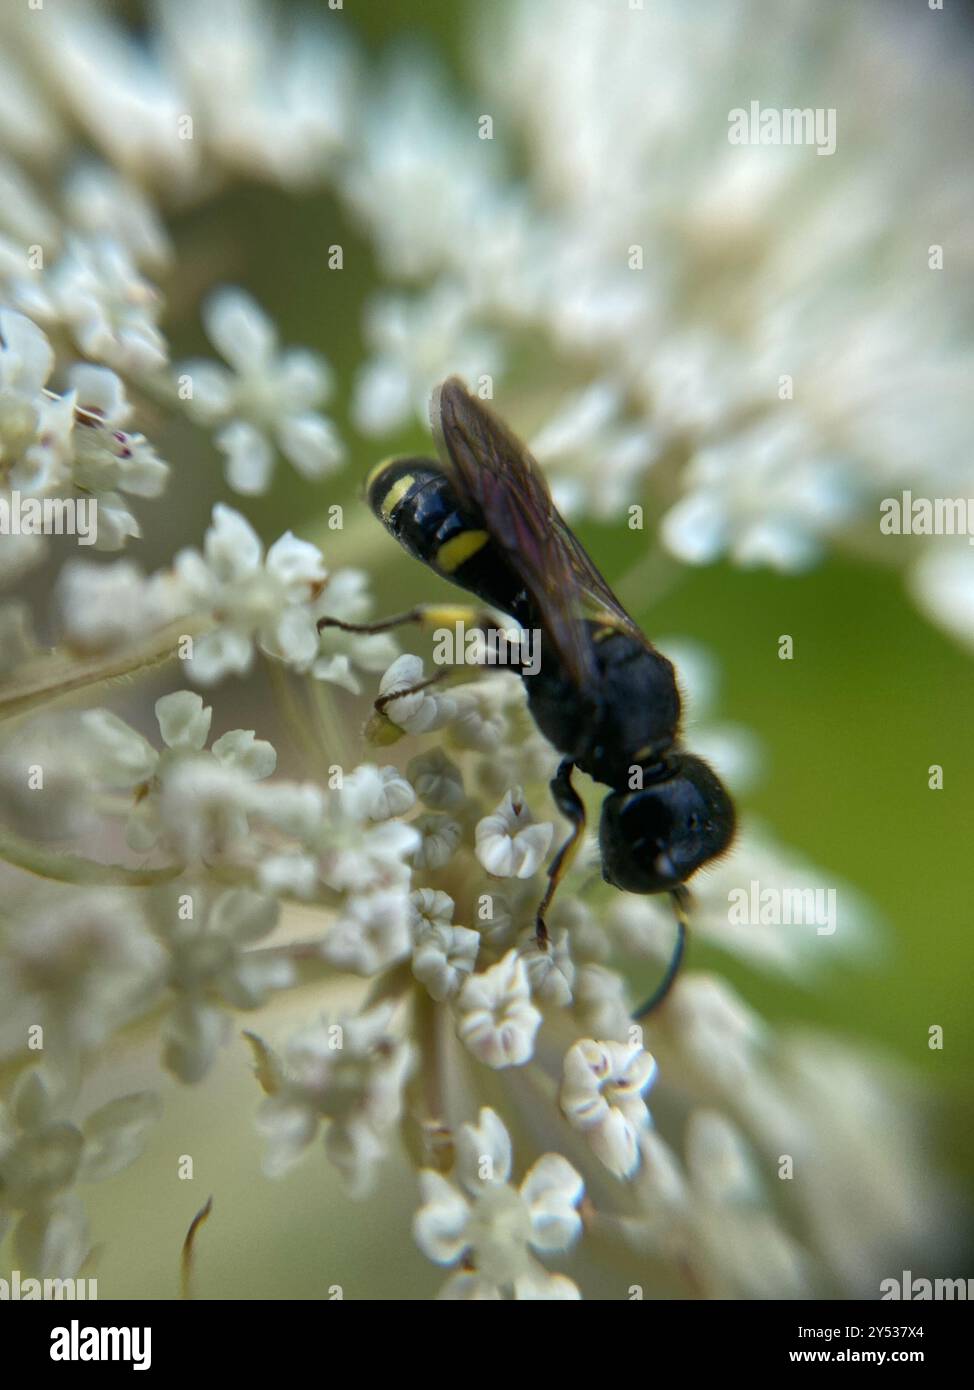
(182, 794)
(53, 444)
(593, 420)
(105, 456)
(253, 599)
(493, 1226)
(421, 711)
(710, 1217)
(78, 965)
(96, 289)
(43, 1153)
(352, 852)
(391, 796)
(430, 908)
(440, 838)
(106, 606)
(602, 1003)
(350, 1071)
(132, 112)
(729, 904)
(414, 160)
(806, 396)
(26, 362)
(275, 102)
(602, 1095)
(509, 843)
(288, 873)
(26, 418)
(716, 1037)
(46, 778)
(266, 400)
(437, 780)
(478, 722)
(755, 500)
(443, 954)
(371, 933)
(551, 971)
(297, 809)
(99, 202)
(202, 808)
(210, 969)
(443, 958)
(417, 344)
(123, 757)
(942, 583)
(495, 1017)
(346, 596)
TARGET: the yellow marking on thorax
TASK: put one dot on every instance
(455, 552)
(395, 495)
(606, 630)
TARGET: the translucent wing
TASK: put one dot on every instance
(494, 470)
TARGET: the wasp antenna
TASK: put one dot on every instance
(680, 898)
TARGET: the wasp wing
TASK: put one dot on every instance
(600, 602)
(497, 473)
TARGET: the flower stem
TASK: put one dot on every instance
(62, 867)
(61, 672)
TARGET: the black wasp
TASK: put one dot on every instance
(484, 518)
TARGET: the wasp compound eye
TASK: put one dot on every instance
(654, 839)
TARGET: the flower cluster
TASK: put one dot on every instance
(66, 446)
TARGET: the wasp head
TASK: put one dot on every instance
(653, 839)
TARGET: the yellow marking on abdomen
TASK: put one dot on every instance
(455, 552)
(395, 495)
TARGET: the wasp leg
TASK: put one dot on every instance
(445, 673)
(570, 805)
(681, 901)
(425, 614)
(383, 700)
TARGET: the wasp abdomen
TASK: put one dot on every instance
(418, 504)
